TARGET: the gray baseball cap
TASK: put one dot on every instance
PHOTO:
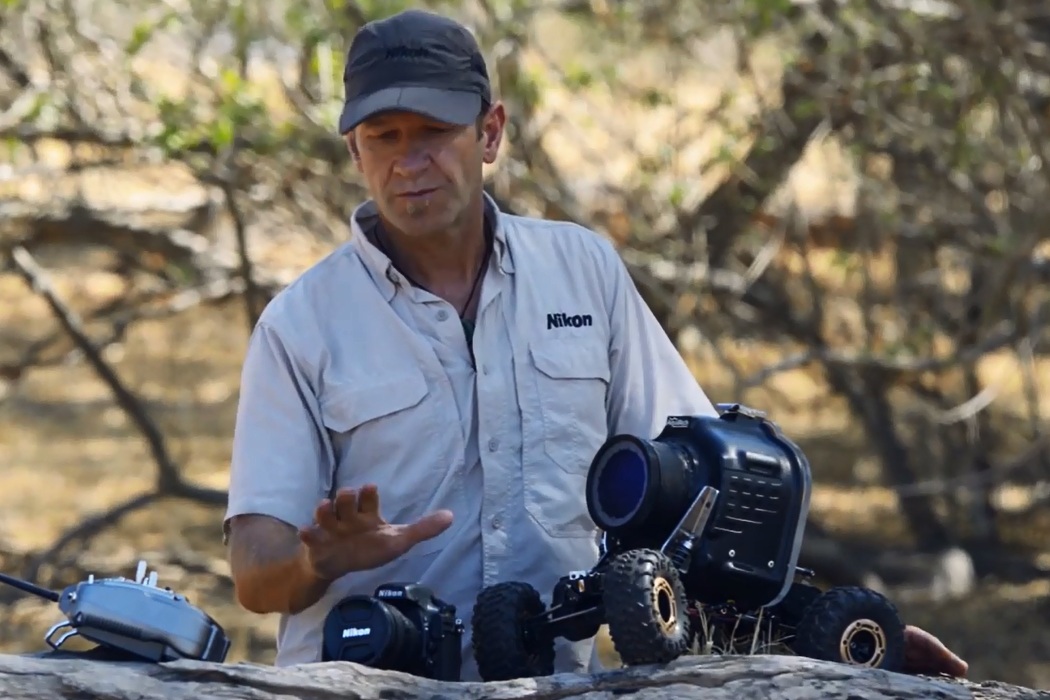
(415, 61)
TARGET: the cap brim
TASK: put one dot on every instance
(448, 106)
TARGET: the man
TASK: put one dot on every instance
(423, 404)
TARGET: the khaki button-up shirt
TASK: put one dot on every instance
(354, 376)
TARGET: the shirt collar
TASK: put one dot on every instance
(383, 272)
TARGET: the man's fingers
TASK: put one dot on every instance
(324, 516)
(926, 654)
(368, 501)
(310, 536)
(346, 505)
(956, 667)
(430, 525)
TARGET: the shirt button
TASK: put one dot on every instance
(442, 315)
(493, 445)
(484, 369)
(497, 523)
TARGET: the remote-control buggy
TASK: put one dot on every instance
(701, 532)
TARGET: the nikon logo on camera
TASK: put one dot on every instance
(351, 632)
(565, 320)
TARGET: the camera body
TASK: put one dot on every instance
(701, 533)
(400, 627)
(638, 492)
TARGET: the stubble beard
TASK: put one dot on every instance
(424, 218)
(417, 209)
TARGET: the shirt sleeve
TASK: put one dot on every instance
(281, 458)
(649, 379)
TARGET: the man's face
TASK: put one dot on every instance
(423, 173)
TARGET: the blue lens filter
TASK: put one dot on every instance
(622, 481)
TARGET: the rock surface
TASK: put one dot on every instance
(709, 678)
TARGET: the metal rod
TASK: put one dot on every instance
(695, 519)
(26, 586)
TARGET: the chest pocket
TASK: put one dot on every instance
(572, 380)
(389, 431)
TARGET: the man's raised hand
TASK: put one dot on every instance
(349, 534)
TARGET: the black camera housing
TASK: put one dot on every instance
(701, 533)
(401, 627)
(751, 545)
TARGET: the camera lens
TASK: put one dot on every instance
(372, 633)
(642, 486)
(621, 480)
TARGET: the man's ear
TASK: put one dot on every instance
(492, 131)
(351, 145)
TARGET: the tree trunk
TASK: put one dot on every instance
(706, 678)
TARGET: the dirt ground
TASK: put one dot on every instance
(67, 451)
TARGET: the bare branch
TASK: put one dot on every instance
(169, 479)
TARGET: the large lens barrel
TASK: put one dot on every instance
(641, 488)
(372, 633)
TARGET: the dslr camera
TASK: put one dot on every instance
(401, 627)
(701, 532)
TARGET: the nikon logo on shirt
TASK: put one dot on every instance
(565, 321)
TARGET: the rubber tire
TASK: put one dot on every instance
(826, 619)
(634, 625)
(500, 648)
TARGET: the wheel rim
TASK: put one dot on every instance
(664, 604)
(863, 643)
